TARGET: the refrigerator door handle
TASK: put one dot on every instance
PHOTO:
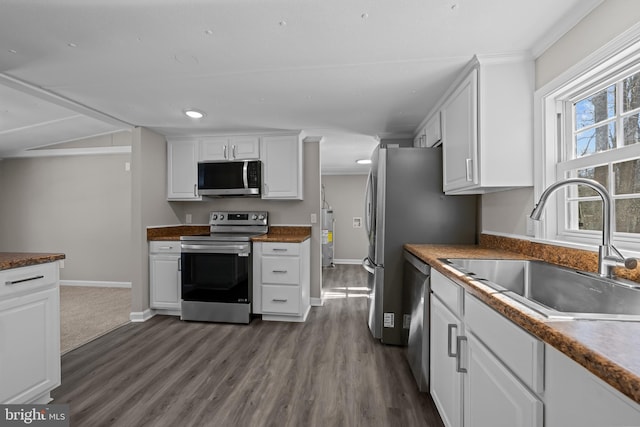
(367, 205)
(367, 266)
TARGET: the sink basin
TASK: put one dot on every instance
(556, 292)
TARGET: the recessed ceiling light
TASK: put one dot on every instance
(194, 114)
(72, 45)
(364, 15)
(363, 161)
(13, 51)
(282, 23)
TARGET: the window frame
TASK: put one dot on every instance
(554, 123)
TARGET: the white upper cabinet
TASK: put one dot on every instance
(433, 130)
(229, 148)
(487, 126)
(182, 170)
(282, 167)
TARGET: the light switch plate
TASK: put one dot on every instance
(188, 218)
(314, 218)
(531, 226)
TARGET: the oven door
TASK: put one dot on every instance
(216, 271)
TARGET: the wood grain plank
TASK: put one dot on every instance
(328, 371)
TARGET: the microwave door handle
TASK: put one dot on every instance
(245, 174)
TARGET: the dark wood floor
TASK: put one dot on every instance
(325, 372)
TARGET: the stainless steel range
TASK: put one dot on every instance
(216, 269)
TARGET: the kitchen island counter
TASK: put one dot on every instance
(606, 348)
(9, 260)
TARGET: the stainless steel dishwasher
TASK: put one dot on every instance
(417, 289)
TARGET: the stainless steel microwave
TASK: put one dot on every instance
(230, 178)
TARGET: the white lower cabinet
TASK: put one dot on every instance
(445, 380)
(493, 396)
(471, 384)
(281, 280)
(164, 276)
(576, 397)
(29, 334)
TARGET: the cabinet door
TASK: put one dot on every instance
(446, 382)
(182, 170)
(165, 281)
(29, 346)
(460, 135)
(282, 167)
(493, 396)
(214, 148)
(244, 147)
(576, 397)
(433, 131)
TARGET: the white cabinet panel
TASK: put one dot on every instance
(493, 396)
(459, 133)
(278, 299)
(29, 346)
(281, 280)
(576, 397)
(182, 170)
(281, 270)
(520, 352)
(487, 133)
(445, 382)
(229, 148)
(164, 276)
(282, 167)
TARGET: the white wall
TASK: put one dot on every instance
(78, 205)
(505, 212)
(345, 194)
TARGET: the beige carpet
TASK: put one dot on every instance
(89, 312)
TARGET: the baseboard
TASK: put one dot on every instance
(347, 261)
(95, 284)
(316, 302)
(141, 316)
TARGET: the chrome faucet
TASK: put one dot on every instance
(608, 256)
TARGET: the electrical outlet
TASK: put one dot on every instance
(187, 218)
(357, 222)
(314, 218)
(127, 166)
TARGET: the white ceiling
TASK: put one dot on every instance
(348, 70)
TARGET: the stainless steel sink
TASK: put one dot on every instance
(556, 292)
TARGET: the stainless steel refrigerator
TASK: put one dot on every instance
(404, 203)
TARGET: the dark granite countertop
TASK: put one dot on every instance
(608, 349)
(285, 234)
(277, 233)
(10, 260)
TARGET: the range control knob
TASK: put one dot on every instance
(254, 216)
(261, 216)
(214, 216)
(221, 216)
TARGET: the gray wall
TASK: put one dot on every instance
(281, 212)
(505, 212)
(345, 194)
(149, 207)
(78, 205)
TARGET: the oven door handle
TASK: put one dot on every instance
(216, 249)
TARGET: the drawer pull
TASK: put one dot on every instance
(28, 279)
(280, 249)
(279, 271)
(459, 367)
(450, 327)
(279, 300)
(165, 247)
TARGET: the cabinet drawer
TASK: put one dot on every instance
(522, 353)
(273, 248)
(26, 279)
(449, 293)
(164, 247)
(281, 270)
(281, 299)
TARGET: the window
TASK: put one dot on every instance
(591, 129)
